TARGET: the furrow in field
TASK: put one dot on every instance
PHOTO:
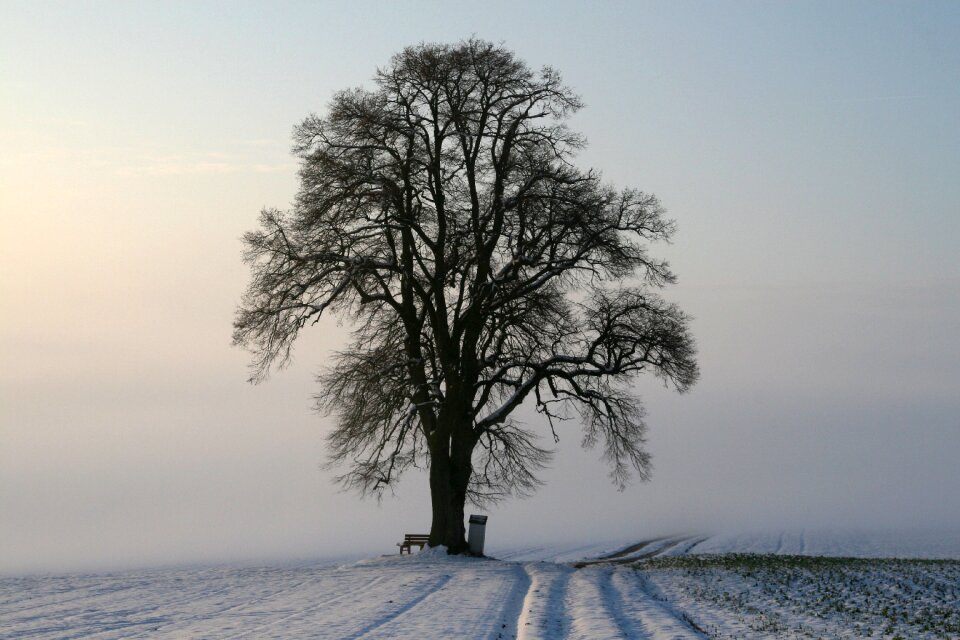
(238, 596)
(253, 606)
(295, 613)
(65, 592)
(246, 601)
(112, 610)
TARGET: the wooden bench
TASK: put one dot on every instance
(419, 539)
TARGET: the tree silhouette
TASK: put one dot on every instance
(441, 214)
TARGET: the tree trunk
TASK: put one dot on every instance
(447, 527)
(449, 477)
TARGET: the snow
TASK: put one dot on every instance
(672, 587)
(558, 552)
(749, 596)
(855, 544)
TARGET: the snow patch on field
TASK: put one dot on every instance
(679, 587)
(749, 596)
(850, 544)
(558, 552)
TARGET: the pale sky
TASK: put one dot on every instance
(809, 151)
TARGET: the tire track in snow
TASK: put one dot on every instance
(543, 614)
(94, 592)
(82, 615)
(139, 615)
(643, 603)
(512, 609)
(97, 590)
(631, 549)
(567, 551)
(159, 625)
(402, 610)
(310, 609)
(683, 547)
(541, 553)
(213, 614)
(486, 596)
(779, 550)
(700, 541)
(673, 544)
(134, 621)
(624, 557)
(518, 554)
(613, 600)
(597, 607)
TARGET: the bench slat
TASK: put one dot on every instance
(410, 539)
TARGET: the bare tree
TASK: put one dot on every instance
(441, 214)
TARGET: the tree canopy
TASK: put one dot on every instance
(441, 213)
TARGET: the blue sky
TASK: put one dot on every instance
(809, 152)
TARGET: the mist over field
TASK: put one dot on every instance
(808, 153)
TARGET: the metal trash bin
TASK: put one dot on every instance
(478, 528)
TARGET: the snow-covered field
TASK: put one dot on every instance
(674, 587)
